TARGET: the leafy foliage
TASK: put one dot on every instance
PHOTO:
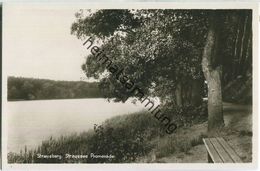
(164, 47)
(187, 115)
(160, 49)
(108, 22)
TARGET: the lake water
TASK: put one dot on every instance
(30, 122)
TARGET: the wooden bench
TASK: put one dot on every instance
(219, 151)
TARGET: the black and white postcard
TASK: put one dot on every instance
(144, 84)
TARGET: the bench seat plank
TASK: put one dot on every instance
(230, 151)
(221, 151)
(212, 151)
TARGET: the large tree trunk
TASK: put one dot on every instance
(212, 72)
(215, 113)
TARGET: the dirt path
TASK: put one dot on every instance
(238, 117)
(237, 132)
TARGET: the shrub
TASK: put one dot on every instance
(126, 145)
(245, 133)
(197, 140)
(165, 147)
(187, 115)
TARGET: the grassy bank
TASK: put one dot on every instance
(138, 137)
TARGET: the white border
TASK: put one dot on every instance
(139, 5)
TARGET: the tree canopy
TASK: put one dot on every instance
(162, 49)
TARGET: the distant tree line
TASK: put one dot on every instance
(20, 88)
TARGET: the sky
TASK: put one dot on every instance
(38, 43)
